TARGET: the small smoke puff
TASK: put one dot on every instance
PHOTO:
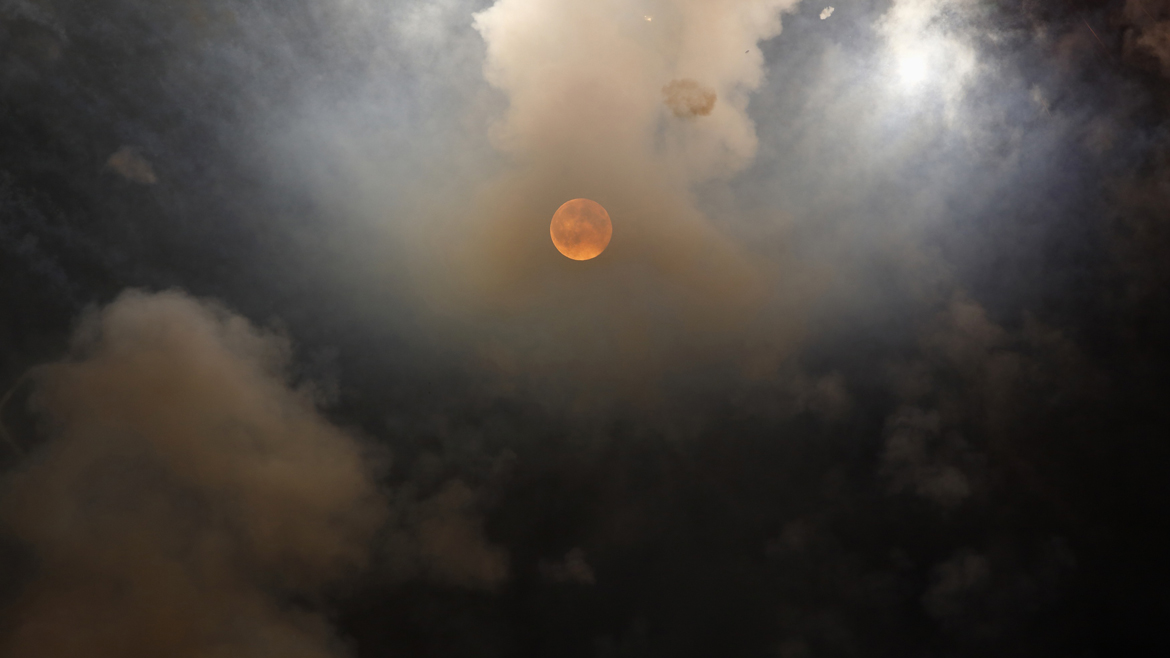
(441, 539)
(794, 537)
(688, 99)
(956, 583)
(573, 569)
(827, 397)
(826, 12)
(918, 456)
(132, 166)
(1155, 40)
(452, 544)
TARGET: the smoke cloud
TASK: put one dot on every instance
(588, 121)
(875, 338)
(183, 491)
(572, 569)
(186, 493)
(1148, 36)
(441, 539)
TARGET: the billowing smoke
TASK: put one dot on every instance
(184, 491)
(588, 121)
(875, 337)
(591, 106)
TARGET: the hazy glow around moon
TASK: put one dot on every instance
(913, 69)
(581, 229)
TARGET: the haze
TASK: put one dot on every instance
(871, 366)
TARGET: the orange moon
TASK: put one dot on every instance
(581, 229)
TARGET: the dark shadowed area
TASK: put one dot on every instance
(874, 363)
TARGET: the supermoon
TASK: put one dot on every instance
(581, 229)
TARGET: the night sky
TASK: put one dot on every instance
(875, 363)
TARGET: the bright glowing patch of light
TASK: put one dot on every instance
(648, 18)
(928, 60)
(913, 69)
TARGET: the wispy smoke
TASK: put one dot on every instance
(1150, 36)
(441, 538)
(955, 581)
(919, 457)
(572, 569)
(133, 167)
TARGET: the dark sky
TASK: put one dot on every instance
(874, 364)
